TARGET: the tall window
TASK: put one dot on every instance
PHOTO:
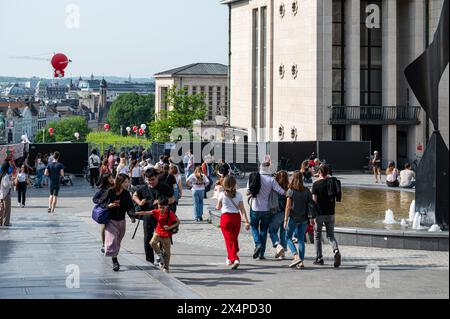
(255, 68)
(194, 90)
(210, 103)
(163, 98)
(371, 80)
(263, 67)
(226, 102)
(186, 90)
(218, 100)
(338, 53)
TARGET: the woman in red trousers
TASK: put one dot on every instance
(231, 203)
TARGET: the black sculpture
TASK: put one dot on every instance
(423, 76)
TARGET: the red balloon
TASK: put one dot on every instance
(106, 126)
(60, 62)
(135, 129)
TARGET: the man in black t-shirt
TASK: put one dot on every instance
(326, 216)
(146, 198)
(54, 171)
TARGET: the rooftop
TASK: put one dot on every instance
(214, 69)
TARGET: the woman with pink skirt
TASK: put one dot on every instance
(118, 201)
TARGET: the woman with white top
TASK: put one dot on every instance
(22, 181)
(231, 203)
(198, 181)
(5, 193)
(392, 175)
(135, 173)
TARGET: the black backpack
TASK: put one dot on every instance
(254, 184)
(334, 189)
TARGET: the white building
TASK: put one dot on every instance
(331, 70)
(210, 79)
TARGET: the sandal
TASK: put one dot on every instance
(295, 263)
(301, 265)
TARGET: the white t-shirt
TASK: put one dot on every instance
(392, 177)
(198, 185)
(22, 177)
(227, 203)
(406, 177)
(136, 172)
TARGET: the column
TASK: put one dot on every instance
(389, 71)
(352, 62)
(416, 133)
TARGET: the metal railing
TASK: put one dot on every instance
(375, 115)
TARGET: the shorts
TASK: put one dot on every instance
(54, 190)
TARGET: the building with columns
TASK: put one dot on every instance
(210, 79)
(332, 70)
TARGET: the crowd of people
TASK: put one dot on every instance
(287, 209)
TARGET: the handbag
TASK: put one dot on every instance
(100, 215)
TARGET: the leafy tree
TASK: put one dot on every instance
(64, 130)
(185, 109)
(131, 109)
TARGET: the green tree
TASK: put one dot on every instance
(185, 109)
(64, 130)
(131, 109)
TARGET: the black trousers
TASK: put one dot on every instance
(149, 229)
(21, 192)
(94, 174)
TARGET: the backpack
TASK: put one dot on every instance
(254, 184)
(334, 189)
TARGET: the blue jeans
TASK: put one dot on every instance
(301, 229)
(39, 177)
(259, 222)
(198, 202)
(276, 223)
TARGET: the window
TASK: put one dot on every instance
(210, 103)
(194, 90)
(255, 69)
(186, 90)
(371, 60)
(218, 100)
(338, 53)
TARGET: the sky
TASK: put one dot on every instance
(111, 37)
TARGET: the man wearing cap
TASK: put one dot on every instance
(376, 164)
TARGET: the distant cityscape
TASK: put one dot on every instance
(27, 105)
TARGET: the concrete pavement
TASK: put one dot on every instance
(34, 254)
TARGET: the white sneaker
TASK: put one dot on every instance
(19, 205)
(236, 264)
(280, 251)
(228, 262)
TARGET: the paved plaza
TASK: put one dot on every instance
(40, 251)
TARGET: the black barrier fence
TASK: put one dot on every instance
(340, 155)
(73, 156)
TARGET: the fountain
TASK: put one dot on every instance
(412, 211)
(389, 219)
(404, 223)
(416, 222)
